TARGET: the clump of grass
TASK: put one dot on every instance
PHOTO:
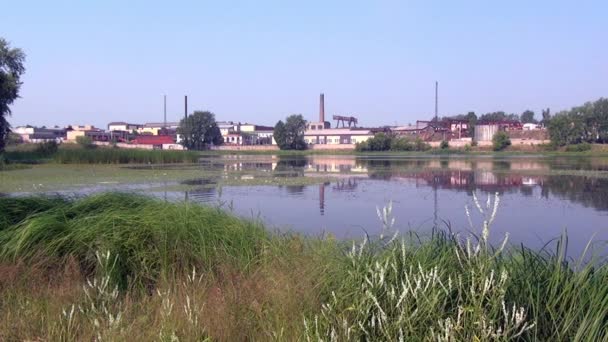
(16, 209)
(79, 155)
(150, 270)
(123, 156)
(150, 238)
(448, 289)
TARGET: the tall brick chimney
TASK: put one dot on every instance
(322, 108)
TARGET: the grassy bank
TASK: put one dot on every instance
(100, 155)
(118, 267)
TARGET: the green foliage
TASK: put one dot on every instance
(123, 156)
(546, 114)
(46, 149)
(528, 117)
(582, 147)
(290, 135)
(380, 142)
(500, 141)
(13, 139)
(199, 130)
(437, 290)
(444, 145)
(587, 123)
(438, 287)
(85, 142)
(565, 129)
(467, 148)
(11, 70)
(385, 142)
(498, 116)
(78, 155)
(151, 239)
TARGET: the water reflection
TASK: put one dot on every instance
(507, 175)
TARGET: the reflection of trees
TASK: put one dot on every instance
(470, 175)
(290, 166)
(293, 189)
(345, 184)
(590, 192)
(203, 194)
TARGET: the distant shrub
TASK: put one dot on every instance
(474, 143)
(362, 146)
(421, 145)
(123, 156)
(444, 145)
(47, 149)
(385, 142)
(582, 147)
(500, 141)
(467, 148)
(85, 142)
(401, 144)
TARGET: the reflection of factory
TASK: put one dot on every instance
(348, 184)
(333, 164)
(479, 179)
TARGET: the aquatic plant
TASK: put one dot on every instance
(122, 266)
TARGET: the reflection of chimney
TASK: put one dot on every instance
(322, 198)
(322, 108)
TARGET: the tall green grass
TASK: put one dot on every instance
(79, 155)
(442, 287)
(150, 239)
(123, 156)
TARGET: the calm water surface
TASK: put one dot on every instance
(540, 197)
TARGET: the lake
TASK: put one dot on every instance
(540, 197)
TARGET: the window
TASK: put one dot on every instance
(313, 127)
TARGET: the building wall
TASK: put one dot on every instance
(485, 132)
(72, 135)
(149, 130)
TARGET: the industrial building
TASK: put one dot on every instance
(320, 132)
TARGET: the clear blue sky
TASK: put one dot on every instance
(258, 61)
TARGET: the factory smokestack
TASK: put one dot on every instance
(322, 108)
(185, 106)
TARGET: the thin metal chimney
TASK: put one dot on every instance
(322, 108)
(185, 106)
(436, 101)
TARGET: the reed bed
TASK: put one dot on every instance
(78, 155)
(118, 267)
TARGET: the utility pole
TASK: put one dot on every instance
(165, 114)
(436, 101)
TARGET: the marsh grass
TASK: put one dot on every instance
(102, 155)
(125, 267)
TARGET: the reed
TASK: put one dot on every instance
(79, 155)
(118, 266)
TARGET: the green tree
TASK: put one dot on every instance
(199, 130)
(380, 142)
(472, 118)
(528, 117)
(11, 69)
(546, 114)
(290, 135)
(500, 141)
(498, 116)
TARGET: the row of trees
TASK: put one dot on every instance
(584, 124)
(389, 142)
(527, 116)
